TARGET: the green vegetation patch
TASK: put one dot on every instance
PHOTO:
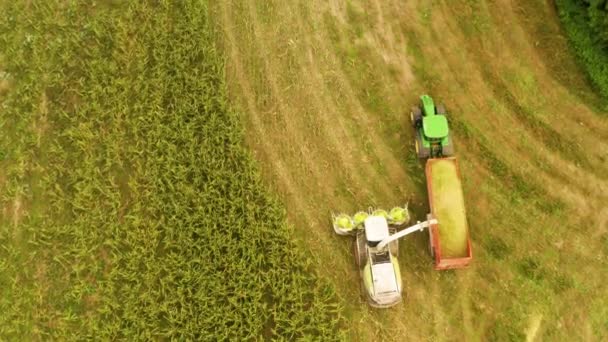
(586, 23)
(448, 208)
(131, 210)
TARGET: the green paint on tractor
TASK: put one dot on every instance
(428, 105)
(432, 129)
(435, 127)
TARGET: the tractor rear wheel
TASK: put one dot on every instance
(421, 151)
(448, 150)
(440, 109)
(416, 116)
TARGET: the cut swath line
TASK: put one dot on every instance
(379, 149)
(290, 129)
(534, 324)
(281, 172)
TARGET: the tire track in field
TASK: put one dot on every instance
(322, 101)
(399, 320)
(294, 131)
(294, 128)
(460, 74)
(364, 174)
(402, 320)
(577, 181)
(392, 42)
(281, 171)
(342, 143)
(327, 117)
(330, 116)
(549, 182)
(381, 151)
(303, 213)
(310, 74)
(565, 121)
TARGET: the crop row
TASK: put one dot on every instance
(132, 209)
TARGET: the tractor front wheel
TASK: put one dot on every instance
(416, 116)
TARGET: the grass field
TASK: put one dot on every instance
(130, 208)
(327, 86)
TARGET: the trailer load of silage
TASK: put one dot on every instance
(448, 207)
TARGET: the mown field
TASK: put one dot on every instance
(130, 208)
(327, 87)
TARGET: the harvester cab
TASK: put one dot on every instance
(376, 253)
(433, 137)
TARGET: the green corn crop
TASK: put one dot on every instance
(135, 211)
(399, 215)
(343, 221)
(380, 212)
(359, 218)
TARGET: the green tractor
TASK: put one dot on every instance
(433, 138)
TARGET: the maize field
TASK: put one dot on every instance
(130, 208)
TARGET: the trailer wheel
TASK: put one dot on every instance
(431, 249)
(360, 250)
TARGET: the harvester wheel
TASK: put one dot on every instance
(360, 250)
(416, 116)
(441, 110)
(393, 246)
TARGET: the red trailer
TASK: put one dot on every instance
(449, 239)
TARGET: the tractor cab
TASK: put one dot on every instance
(432, 129)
